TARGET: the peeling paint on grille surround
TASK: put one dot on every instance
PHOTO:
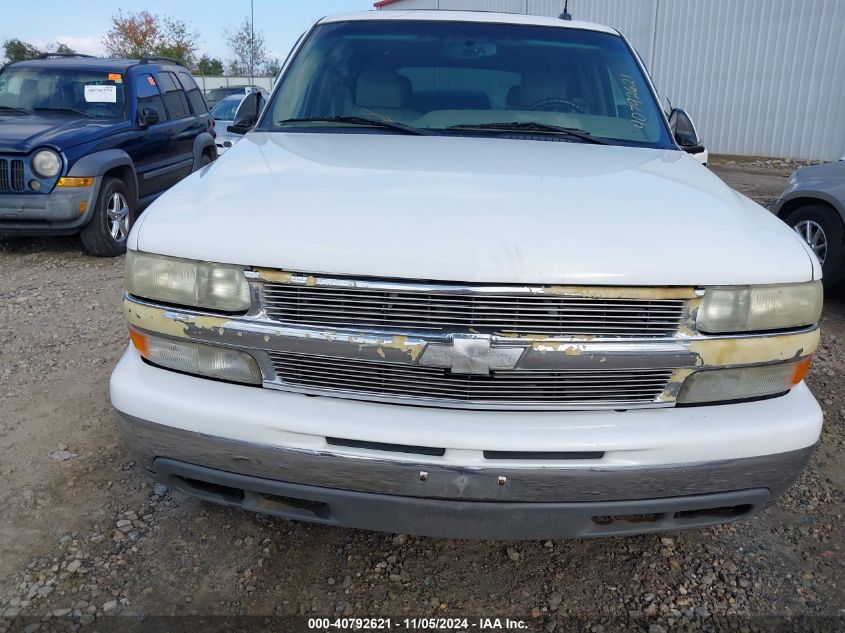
(684, 352)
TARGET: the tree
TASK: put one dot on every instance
(61, 47)
(273, 66)
(132, 35)
(179, 41)
(142, 33)
(247, 48)
(17, 50)
(209, 66)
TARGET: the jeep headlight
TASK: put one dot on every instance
(759, 308)
(187, 282)
(46, 163)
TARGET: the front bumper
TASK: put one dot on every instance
(444, 518)
(271, 452)
(593, 502)
(56, 213)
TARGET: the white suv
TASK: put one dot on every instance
(460, 280)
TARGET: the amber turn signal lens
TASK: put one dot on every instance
(140, 342)
(72, 181)
(198, 359)
(801, 370)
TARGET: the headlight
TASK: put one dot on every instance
(740, 383)
(46, 163)
(187, 282)
(196, 358)
(760, 308)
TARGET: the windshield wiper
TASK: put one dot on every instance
(360, 120)
(63, 109)
(531, 126)
(13, 109)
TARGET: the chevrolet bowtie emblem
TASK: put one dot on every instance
(470, 354)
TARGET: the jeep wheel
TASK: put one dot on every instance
(105, 235)
(822, 229)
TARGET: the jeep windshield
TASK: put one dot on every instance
(62, 92)
(470, 78)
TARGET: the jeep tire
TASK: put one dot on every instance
(105, 235)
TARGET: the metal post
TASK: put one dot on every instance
(251, 41)
(652, 54)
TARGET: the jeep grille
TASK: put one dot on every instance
(11, 175)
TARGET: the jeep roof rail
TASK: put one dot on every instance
(49, 55)
(146, 59)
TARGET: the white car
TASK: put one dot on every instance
(224, 112)
(451, 284)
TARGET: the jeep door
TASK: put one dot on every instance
(154, 150)
(185, 126)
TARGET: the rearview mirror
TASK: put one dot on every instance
(147, 117)
(246, 115)
(684, 131)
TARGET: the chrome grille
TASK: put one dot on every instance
(11, 175)
(504, 313)
(555, 387)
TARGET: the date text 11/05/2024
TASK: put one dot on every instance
(418, 624)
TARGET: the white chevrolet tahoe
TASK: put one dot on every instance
(460, 279)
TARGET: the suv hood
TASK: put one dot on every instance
(25, 133)
(447, 208)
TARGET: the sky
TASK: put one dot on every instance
(81, 25)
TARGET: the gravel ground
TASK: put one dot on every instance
(85, 535)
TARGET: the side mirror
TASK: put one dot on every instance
(246, 115)
(684, 131)
(147, 117)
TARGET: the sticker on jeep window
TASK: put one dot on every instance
(101, 94)
(116, 77)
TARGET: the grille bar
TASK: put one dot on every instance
(516, 313)
(4, 174)
(17, 176)
(566, 387)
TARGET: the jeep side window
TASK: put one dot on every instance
(174, 97)
(198, 104)
(149, 96)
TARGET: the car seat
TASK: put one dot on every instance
(386, 93)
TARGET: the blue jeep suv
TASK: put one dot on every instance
(87, 143)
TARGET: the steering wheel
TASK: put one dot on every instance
(101, 111)
(556, 104)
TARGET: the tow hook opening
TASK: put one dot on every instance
(696, 514)
(724, 512)
(226, 492)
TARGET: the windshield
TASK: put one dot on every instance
(94, 94)
(225, 110)
(442, 75)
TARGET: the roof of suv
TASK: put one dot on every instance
(88, 63)
(469, 16)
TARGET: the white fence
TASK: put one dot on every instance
(207, 83)
(760, 77)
